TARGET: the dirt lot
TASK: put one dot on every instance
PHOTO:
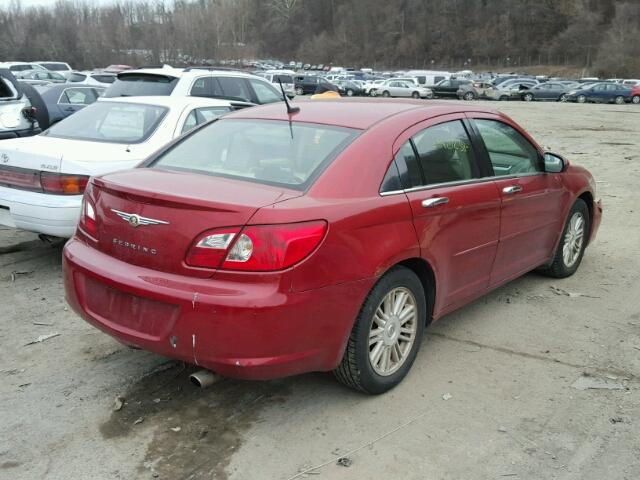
(528, 382)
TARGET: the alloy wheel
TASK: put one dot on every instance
(468, 96)
(393, 331)
(636, 99)
(573, 239)
(582, 99)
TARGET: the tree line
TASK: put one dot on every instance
(599, 36)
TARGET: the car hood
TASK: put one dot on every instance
(42, 152)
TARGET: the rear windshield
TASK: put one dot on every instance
(110, 122)
(104, 78)
(263, 151)
(77, 77)
(55, 67)
(282, 78)
(141, 84)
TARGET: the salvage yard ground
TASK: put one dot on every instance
(538, 380)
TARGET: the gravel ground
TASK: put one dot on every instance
(527, 382)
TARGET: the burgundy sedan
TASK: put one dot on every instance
(267, 244)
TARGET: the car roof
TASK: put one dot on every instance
(190, 72)
(169, 101)
(360, 114)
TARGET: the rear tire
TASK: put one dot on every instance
(619, 100)
(527, 97)
(299, 91)
(563, 98)
(386, 94)
(349, 92)
(387, 327)
(636, 99)
(582, 99)
(573, 241)
(503, 98)
(469, 96)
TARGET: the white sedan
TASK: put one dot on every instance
(42, 178)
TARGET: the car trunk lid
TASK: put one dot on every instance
(169, 210)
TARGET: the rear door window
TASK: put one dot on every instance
(202, 115)
(78, 96)
(445, 153)
(235, 88)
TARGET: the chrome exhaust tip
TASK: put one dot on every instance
(204, 378)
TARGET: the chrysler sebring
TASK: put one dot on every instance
(270, 243)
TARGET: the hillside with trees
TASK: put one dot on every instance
(598, 36)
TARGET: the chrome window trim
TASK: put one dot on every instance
(459, 182)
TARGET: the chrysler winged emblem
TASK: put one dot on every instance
(135, 220)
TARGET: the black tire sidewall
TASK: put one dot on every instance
(397, 277)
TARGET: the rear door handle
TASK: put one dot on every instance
(434, 202)
(511, 189)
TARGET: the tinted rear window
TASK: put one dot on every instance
(77, 77)
(282, 78)
(104, 78)
(55, 67)
(263, 151)
(141, 84)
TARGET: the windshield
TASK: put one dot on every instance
(110, 122)
(141, 84)
(263, 151)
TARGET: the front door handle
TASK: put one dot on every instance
(511, 189)
(434, 202)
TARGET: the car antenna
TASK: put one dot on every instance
(290, 109)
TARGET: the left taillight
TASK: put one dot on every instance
(63, 184)
(256, 248)
(88, 223)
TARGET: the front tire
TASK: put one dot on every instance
(573, 241)
(386, 94)
(527, 97)
(563, 98)
(415, 95)
(636, 99)
(619, 100)
(349, 92)
(386, 335)
(469, 96)
(582, 99)
(299, 91)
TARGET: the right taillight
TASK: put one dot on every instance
(256, 248)
(88, 222)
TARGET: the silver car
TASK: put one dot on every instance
(17, 117)
(401, 88)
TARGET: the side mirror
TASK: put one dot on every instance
(554, 163)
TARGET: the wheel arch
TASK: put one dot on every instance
(427, 277)
(587, 197)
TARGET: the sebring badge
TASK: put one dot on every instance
(135, 220)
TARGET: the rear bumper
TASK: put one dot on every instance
(55, 215)
(244, 329)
